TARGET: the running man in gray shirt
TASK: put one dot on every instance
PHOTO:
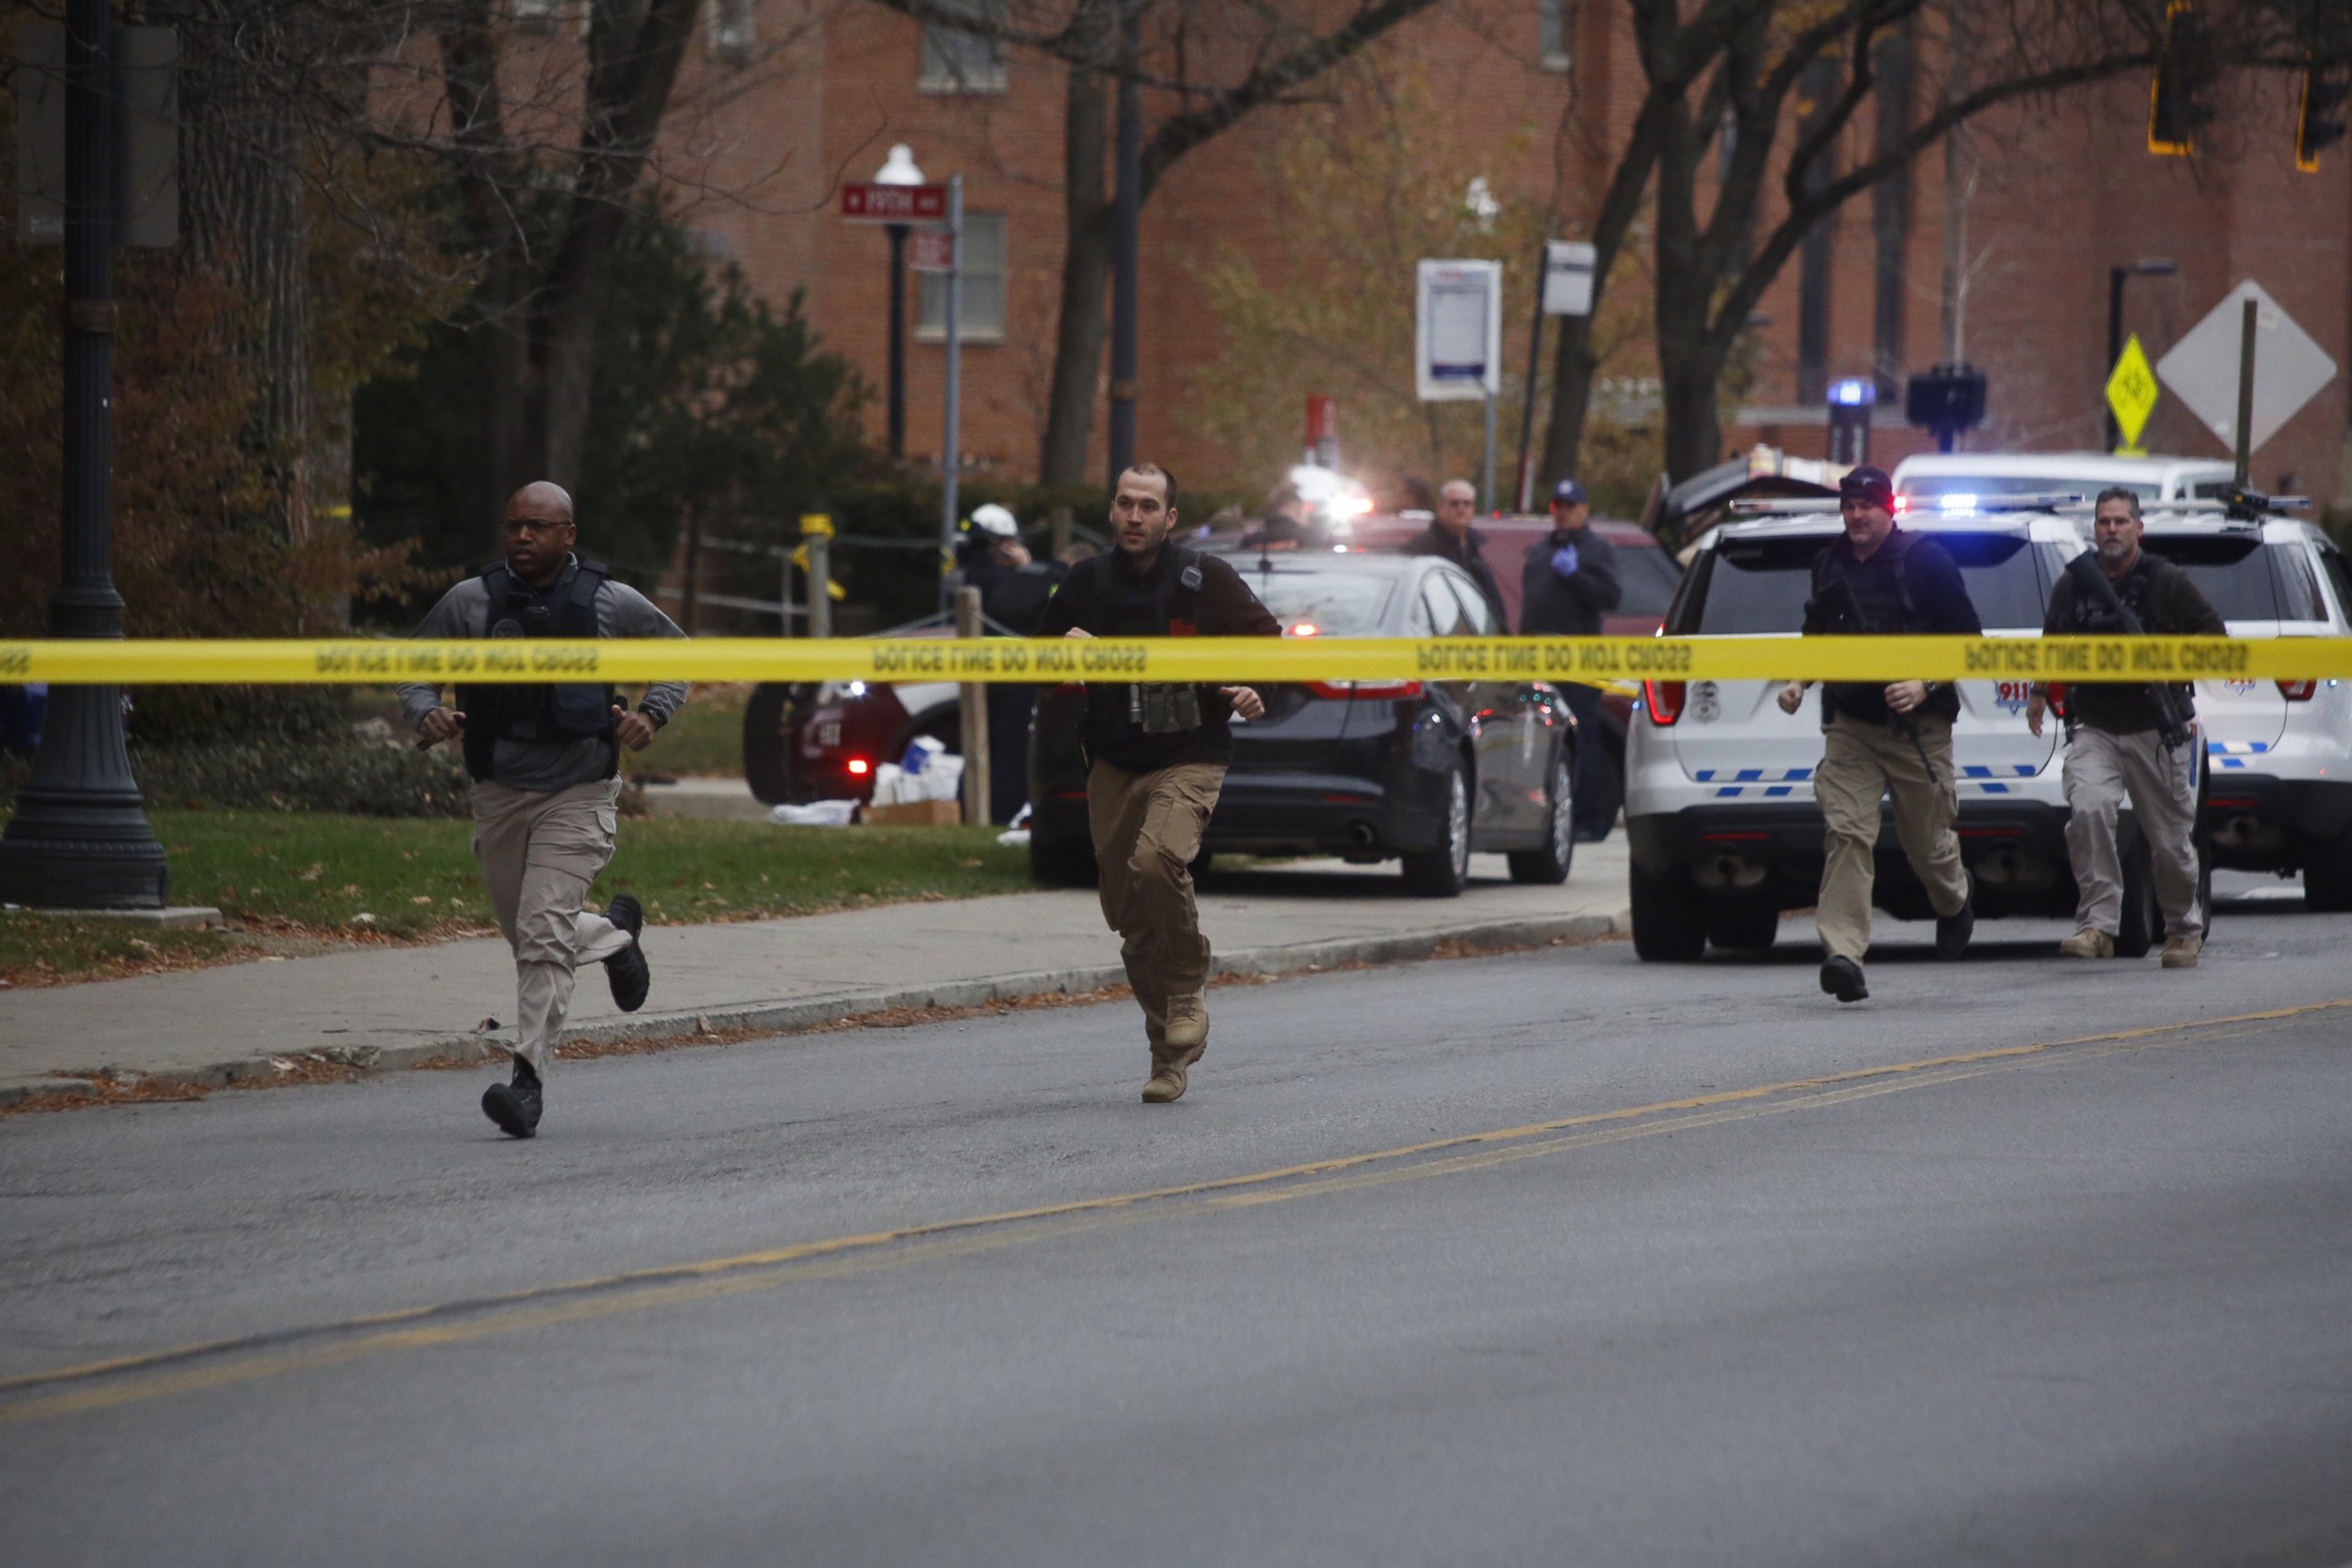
(546, 762)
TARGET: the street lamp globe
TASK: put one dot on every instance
(899, 168)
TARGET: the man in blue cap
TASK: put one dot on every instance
(1569, 582)
(1888, 741)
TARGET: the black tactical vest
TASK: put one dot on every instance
(549, 714)
(1870, 598)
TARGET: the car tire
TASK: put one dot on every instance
(2136, 930)
(1669, 926)
(2327, 876)
(767, 766)
(1062, 862)
(1547, 864)
(1442, 871)
(1743, 925)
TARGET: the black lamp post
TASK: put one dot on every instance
(2148, 267)
(79, 838)
(898, 170)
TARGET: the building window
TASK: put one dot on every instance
(955, 62)
(983, 317)
(539, 16)
(732, 32)
(1555, 20)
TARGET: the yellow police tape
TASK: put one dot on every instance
(1592, 661)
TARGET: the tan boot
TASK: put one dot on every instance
(2181, 951)
(2088, 943)
(1168, 1068)
(1183, 1041)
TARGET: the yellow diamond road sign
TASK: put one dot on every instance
(2132, 392)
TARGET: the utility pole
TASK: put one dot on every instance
(1127, 219)
(79, 838)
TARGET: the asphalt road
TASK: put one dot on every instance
(1554, 1257)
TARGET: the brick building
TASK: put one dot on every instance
(2000, 247)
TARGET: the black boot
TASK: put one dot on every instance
(1953, 930)
(1842, 978)
(515, 1107)
(626, 969)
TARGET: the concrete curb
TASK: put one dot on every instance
(788, 1017)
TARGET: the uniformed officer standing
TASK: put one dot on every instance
(2121, 743)
(546, 761)
(1158, 754)
(1894, 740)
(1567, 584)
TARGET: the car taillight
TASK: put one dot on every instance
(860, 766)
(2298, 691)
(1663, 698)
(1365, 690)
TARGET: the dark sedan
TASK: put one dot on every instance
(1366, 770)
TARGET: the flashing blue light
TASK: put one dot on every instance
(1854, 394)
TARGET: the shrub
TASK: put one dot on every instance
(352, 777)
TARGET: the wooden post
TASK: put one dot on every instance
(972, 714)
(820, 585)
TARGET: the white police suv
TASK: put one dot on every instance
(1719, 808)
(2279, 753)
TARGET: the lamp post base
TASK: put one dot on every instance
(79, 836)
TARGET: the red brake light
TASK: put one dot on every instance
(1663, 698)
(860, 766)
(1365, 690)
(2298, 691)
(1902, 505)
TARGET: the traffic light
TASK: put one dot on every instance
(2320, 120)
(2184, 72)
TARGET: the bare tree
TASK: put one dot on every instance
(1215, 62)
(1723, 87)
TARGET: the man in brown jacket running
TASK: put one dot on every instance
(1158, 754)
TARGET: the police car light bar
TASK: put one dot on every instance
(1914, 507)
(2249, 508)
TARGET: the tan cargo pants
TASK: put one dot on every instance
(538, 851)
(1860, 762)
(1146, 830)
(2102, 768)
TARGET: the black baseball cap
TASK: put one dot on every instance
(1868, 484)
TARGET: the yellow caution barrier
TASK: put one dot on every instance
(1595, 660)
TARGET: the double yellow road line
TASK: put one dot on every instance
(108, 1385)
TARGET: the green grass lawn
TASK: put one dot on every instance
(705, 740)
(372, 878)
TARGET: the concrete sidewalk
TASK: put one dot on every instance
(385, 1008)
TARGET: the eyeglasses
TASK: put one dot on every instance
(534, 525)
(1460, 500)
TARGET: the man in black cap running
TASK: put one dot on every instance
(1893, 739)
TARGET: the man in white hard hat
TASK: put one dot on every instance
(1012, 595)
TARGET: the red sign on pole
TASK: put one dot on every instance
(930, 250)
(894, 204)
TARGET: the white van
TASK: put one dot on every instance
(1948, 481)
